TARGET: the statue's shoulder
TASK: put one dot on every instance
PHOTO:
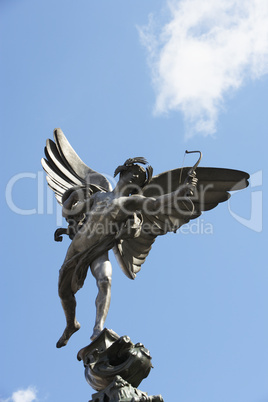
(99, 196)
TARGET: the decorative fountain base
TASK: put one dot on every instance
(114, 367)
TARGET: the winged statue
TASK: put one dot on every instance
(126, 219)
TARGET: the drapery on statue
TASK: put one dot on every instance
(126, 219)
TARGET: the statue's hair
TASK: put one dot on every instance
(129, 163)
(138, 159)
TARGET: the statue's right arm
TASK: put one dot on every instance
(137, 203)
(150, 205)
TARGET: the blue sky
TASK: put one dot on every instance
(122, 79)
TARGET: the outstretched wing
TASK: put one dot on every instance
(213, 188)
(65, 169)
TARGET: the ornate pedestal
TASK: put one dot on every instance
(114, 367)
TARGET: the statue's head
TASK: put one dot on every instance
(133, 173)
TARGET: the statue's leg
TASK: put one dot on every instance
(101, 269)
(68, 304)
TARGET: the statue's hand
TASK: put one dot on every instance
(192, 183)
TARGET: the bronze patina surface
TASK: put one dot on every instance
(126, 219)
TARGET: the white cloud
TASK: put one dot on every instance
(23, 395)
(208, 49)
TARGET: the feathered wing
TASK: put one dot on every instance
(213, 188)
(65, 169)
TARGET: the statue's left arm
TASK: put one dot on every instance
(152, 205)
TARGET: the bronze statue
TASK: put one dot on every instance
(126, 219)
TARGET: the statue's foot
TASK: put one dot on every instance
(68, 332)
(96, 332)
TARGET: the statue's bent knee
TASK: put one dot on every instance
(65, 294)
(65, 290)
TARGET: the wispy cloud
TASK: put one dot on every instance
(206, 50)
(22, 395)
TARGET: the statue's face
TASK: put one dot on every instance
(135, 175)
